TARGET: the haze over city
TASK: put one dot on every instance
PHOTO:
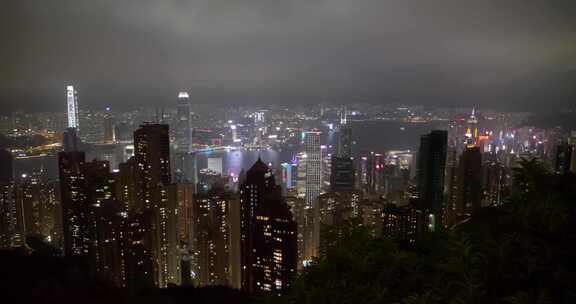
(512, 55)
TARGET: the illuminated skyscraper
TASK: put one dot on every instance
(212, 238)
(109, 127)
(185, 221)
(401, 223)
(304, 218)
(152, 156)
(332, 208)
(183, 124)
(39, 205)
(313, 166)
(451, 180)
(76, 210)
(8, 210)
(72, 102)
(156, 202)
(185, 162)
(301, 174)
(269, 246)
(431, 174)
(92, 217)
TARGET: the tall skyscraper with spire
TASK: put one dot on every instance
(184, 159)
(183, 126)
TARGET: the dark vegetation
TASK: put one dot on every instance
(522, 252)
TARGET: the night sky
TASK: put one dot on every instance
(515, 54)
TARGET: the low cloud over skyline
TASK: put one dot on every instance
(516, 54)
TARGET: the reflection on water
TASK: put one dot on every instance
(235, 161)
(376, 136)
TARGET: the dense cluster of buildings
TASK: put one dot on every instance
(139, 212)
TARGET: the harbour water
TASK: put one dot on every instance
(378, 136)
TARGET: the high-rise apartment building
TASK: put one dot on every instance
(9, 233)
(469, 196)
(93, 219)
(496, 179)
(40, 207)
(156, 202)
(431, 174)
(212, 241)
(152, 156)
(268, 234)
(77, 213)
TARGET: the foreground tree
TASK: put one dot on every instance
(521, 252)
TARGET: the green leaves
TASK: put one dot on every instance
(518, 253)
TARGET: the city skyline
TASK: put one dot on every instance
(295, 151)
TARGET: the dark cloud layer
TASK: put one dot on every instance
(133, 52)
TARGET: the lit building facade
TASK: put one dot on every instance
(9, 232)
(313, 166)
(72, 106)
(268, 234)
(213, 240)
(183, 123)
(156, 200)
(40, 207)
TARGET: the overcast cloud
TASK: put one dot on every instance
(137, 52)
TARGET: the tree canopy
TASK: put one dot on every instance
(521, 252)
